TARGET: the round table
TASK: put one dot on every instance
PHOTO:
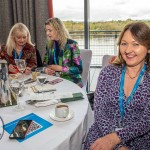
(67, 135)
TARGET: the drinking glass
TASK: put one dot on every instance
(17, 88)
(21, 65)
(36, 73)
(41, 78)
(4, 97)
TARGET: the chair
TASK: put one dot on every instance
(107, 59)
(86, 56)
(39, 59)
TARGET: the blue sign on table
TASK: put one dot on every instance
(38, 125)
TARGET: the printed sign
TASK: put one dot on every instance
(39, 124)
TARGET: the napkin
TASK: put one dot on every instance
(40, 96)
(46, 103)
(42, 99)
(76, 96)
(45, 88)
(59, 95)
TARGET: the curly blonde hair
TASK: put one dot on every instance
(18, 28)
(61, 31)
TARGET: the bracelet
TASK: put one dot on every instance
(64, 69)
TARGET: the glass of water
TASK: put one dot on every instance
(17, 88)
(41, 79)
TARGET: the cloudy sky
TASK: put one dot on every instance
(102, 10)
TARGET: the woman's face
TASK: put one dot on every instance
(51, 33)
(132, 52)
(20, 38)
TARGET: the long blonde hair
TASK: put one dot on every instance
(18, 27)
(60, 29)
(141, 33)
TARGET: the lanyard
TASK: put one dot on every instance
(20, 55)
(55, 59)
(122, 111)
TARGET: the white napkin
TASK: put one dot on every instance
(46, 103)
(59, 95)
(44, 88)
(42, 96)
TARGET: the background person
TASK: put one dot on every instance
(122, 98)
(62, 53)
(19, 46)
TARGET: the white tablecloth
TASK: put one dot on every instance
(67, 135)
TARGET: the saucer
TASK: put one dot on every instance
(70, 116)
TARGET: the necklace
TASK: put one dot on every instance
(134, 76)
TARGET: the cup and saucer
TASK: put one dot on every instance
(61, 113)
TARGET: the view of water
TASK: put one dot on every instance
(100, 47)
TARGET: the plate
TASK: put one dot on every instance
(70, 116)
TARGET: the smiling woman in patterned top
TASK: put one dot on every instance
(122, 97)
(62, 53)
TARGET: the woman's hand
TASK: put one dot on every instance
(13, 68)
(28, 70)
(49, 71)
(108, 142)
(55, 67)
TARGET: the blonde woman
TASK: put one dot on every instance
(19, 46)
(62, 53)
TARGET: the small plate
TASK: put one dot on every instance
(52, 116)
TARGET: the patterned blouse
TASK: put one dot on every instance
(70, 59)
(28, 53)
(136, 132)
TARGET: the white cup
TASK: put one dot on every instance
(61, 110)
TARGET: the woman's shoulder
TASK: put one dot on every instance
(111, 69)
(3, 47)
(29, 47)
(71, 41)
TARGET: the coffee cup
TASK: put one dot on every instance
(61, 110)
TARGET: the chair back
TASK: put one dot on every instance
(39, 59)
(86, 56)
(107, 59)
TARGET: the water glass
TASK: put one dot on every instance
(17, 88)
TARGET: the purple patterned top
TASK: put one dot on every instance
(136, 133)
